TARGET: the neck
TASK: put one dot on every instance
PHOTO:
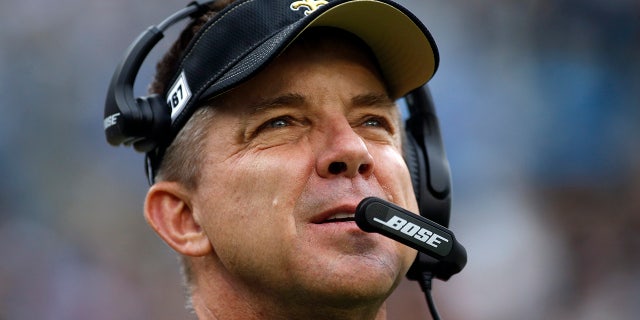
(216, 295)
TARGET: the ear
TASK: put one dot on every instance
(168, 210)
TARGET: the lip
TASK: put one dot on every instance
(347, 208)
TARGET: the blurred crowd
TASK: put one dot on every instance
(539, 104)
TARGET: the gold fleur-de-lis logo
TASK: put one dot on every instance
(309, 6)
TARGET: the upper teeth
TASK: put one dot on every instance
(342, 216)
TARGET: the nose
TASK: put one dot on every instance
(343, 153)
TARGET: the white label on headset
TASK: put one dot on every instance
(178, 96)
(111, 120)
(412, 230)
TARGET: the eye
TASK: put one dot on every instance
(372, 123)
(277, 123)
(377, 122)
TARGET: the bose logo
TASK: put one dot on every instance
(413, 230)
(110, 120)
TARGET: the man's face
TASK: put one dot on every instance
(289, 155)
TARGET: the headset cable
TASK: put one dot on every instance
(425, 285)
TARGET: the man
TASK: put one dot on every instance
(272, 147)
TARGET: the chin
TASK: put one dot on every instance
(361, 289)
(371, 274)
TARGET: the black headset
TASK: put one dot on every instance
(143, 122)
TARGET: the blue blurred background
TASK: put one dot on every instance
(539, 106)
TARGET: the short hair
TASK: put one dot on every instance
(182, 158)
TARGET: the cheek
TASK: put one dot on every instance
(251, 194)
(248, 179)
(273, 179)
(393, 174)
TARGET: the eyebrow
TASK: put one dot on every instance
(372, 99)
(288, 99)
(295, 99)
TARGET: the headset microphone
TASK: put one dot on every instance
(440, 255)
(376, 215)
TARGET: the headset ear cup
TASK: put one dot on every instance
(415, 162)
(161, 117)
(433, 175)
(429, 168)
(412, 157)
(157, 121)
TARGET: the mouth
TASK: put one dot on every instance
(340, 217)
(341, 213)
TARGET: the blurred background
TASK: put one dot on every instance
(539, 106)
